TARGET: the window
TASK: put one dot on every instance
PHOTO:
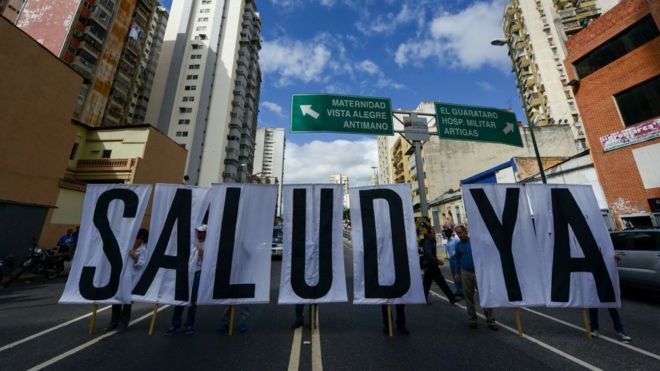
(194, 66)
(204, 11)
(640, 103)
(188, 99)
(196, 56)
(202, 19)
(181, 133)
(106, 153)
(196, 46)
(191, 77)
(627, 41)
(74, 152)
(185, 109)
(200, 28)
(191, 87)
(206, 2)
(184, 122)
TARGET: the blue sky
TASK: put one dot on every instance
(406, 50)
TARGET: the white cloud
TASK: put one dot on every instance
(460, 40)
(485, 86)
(274, 107)
(290, 61)
(316, 161)
(294, 60)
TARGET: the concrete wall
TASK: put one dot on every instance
(38, 94)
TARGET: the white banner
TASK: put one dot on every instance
(504, 248)
(313, 259)
(385, 260)
(577, 254)
(236, 267)
(111, 218)
(167, 275)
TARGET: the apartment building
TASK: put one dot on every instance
(10, 9)
(206, 92)
(535, 32)
(342, 179)
(102, 40)
(269, 158)
(384, 145)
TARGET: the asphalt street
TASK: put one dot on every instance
(37, 333)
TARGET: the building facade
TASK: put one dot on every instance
(535, 33)
(269, 158)
(206, 91)
(343, 180)
(105, 41)
(10, 9)
(36, 138)
(384, 145)
(615, 66)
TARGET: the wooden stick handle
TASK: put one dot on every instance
(92, 320)
(232, 314)
(390, 330)
(516, 313)
(587, 326)
(153, 320)
(312, 322)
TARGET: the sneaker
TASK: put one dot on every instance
(190, 331)
(172, 331)
(623, 337)
(243, 328)
(222, 327)
(595, 333)
(402, 330)
(297, 324)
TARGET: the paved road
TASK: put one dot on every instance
(349, 337)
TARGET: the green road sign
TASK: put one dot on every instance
(481, 124)
(341, 113)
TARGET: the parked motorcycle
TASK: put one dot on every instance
(6, 263)
(40, 262)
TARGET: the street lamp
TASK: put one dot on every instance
(500, 42)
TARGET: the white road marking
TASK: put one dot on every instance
(88, 344)
(44, 332)
(581, 329)
(549, 347)
(317, 364)
(294, 358)
(613, 341)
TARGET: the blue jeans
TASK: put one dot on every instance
(192, 310)
(614, 313)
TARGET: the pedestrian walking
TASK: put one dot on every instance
(300, 316)
(400, 319)
(244, 314)
(121, 313)
(431, 263)
(197, 256)
(454, 265)
(616, 320)
(469, 278)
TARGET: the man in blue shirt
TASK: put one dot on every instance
(469, 278)
(453, 264)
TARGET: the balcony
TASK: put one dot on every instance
(103, 169)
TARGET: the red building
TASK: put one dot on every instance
(614, 68)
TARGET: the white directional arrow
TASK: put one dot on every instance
(508, 128)
(307, 110)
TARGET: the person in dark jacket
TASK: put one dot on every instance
(431, 263)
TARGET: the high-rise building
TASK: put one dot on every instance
(269, 157)
(105, 41)
(535, 32)
(206, 91)
(342, 179)
(385, 144)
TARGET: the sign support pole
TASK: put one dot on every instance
(92, 320)
(232, 314)
(153, 320)
(587, 326)
(516, 314)
(389, 321)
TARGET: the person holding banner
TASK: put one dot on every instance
(431, 263)
(454, 265)
(197, 256)
(300, 316)
(469, 278)
(121, 313)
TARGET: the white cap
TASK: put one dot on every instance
(201, 228)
